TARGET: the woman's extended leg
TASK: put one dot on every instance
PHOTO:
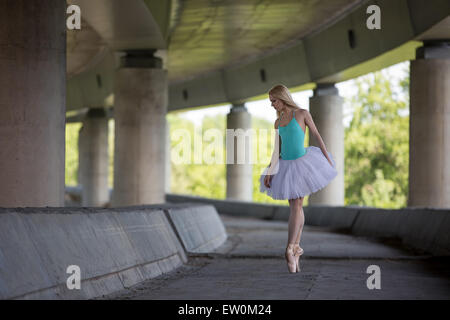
(296, 220)
(302, 219)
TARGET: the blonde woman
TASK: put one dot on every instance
(297, 171)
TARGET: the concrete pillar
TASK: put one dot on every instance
(93, 159)
(429, 132)
(141, 98)
(326, 110)
(239, 176)
(81, 146)
(168, 158)
(32, 103)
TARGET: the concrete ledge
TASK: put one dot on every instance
(425, 229)
(114, 248)
(339, 217)
(233, 208)
(314, 215)
(198, 227)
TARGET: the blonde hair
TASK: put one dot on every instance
(282, 93)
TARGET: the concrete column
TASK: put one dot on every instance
(429, 132)
(326, 110)
(32, 103)
(81, 147)
(239, 176)
(93, 159)
(168, 158)
(141, 97)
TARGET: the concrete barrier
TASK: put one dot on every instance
(424, 229)
(198, 227)
(233, 208)
(114, 248)
(339, 217)
(342, 217)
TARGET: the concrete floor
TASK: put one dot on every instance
(251, 265)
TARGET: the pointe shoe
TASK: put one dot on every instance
(290, 258)
(297, 253)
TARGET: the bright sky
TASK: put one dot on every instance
(260, 108)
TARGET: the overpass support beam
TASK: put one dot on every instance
(429, 132)
(326, 110)
(32, 103)
(93, 159)
(140, 108)
(239, 175)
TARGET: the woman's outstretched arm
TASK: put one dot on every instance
(275, 154)
(313, 130)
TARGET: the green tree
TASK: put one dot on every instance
(195, 177)
(71, 171)
(209, 180)
(377, 143)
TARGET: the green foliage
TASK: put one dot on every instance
(71, 171)
(376, 149)
(195, 177)
(111, 153)
(209, 180)
(377, 144)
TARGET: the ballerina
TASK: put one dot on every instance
(296, 171)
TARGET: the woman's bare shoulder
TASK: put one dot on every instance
(275, 123)
(300, 113)
(301, 117)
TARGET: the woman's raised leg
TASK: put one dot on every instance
(296, 220)
(296, 223)
(302, 219)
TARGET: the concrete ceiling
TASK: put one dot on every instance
(219, 51)
(117, 25)
(441, 30)
(85, 49)
(205, 35)
(211, 35)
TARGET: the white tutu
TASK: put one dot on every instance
(300, 177)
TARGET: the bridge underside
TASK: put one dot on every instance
(146, 59)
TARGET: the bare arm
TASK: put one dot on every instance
(313, 130)
(276, 152)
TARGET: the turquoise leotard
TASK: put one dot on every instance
(293, 138)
